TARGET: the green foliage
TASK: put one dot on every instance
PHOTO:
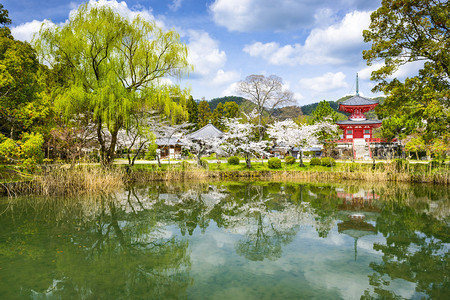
(204, 163)
(231, 110)
(435, 163)
(8, 149)
(327, 161)
(31, 147)
(19, 82)
(204, 113)
(380, 166)
(400, 164)
(224, 100)
(289, 160)
(408, 31)
(217, 115)
(315, 161)
(110, 67)
(151, 151)
(310, 108)
(27, 152)
(192, 109)
(233, 160)
(324, 112)
(274, 163)
(4, 19)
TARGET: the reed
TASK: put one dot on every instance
(73, 181)
(91, 179)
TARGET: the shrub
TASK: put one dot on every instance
(379, 166)
(327, 162)
(289, 160)
(400, 164)
(435, 163)
(274, 163)
(420, 168)
(204, 163)
(233, 160)
(315, 161)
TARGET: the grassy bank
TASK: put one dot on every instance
(393, 171)
(90, 179)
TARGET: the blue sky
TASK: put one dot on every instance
(313, 45)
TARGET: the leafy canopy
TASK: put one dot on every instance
(111, 67)
(405, 31)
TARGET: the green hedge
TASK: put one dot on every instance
(289, 160)
(274, 163)
(315, 161)
(327, 162)
(233, 160)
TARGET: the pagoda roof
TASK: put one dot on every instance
(357, 100)
(206, 132)
(362, 122)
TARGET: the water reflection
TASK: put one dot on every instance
(192, 240)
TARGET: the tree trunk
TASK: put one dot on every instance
(301, 158)
(247, 160)
(158, 159)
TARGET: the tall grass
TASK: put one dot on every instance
(94, 179)
(72, 181)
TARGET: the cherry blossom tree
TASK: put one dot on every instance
(201, 146)
(240, 139)
(291, 135)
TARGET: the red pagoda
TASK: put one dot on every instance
(358, 126)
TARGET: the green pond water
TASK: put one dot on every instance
(229, 240)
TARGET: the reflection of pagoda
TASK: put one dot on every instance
(360, 201)
(357, 130)
(356, 228)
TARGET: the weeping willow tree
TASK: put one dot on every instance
(110, 68)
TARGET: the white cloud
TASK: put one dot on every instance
(326, 83)
(25, 32)
(204, 53)
(123, 9)
(230, 90)
(176, 4)
(223, 77)
(259, 15)
(337, 44)
(255, 15)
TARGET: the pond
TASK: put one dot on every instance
(229, 240)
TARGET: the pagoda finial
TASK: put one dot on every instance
(357, 85)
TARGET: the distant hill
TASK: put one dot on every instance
(214, 102)
(289, 111)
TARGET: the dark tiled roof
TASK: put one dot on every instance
(206, 132)
(363, 122)
(358, 100)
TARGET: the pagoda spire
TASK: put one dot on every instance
(357, 85)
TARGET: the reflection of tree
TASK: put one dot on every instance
(416, 250)
(107, 256)
(267, 220)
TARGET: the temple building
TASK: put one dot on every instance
(358, 126)
(358, 130)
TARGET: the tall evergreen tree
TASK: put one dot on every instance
(192, 108)
(217, 116)
(204, 113)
